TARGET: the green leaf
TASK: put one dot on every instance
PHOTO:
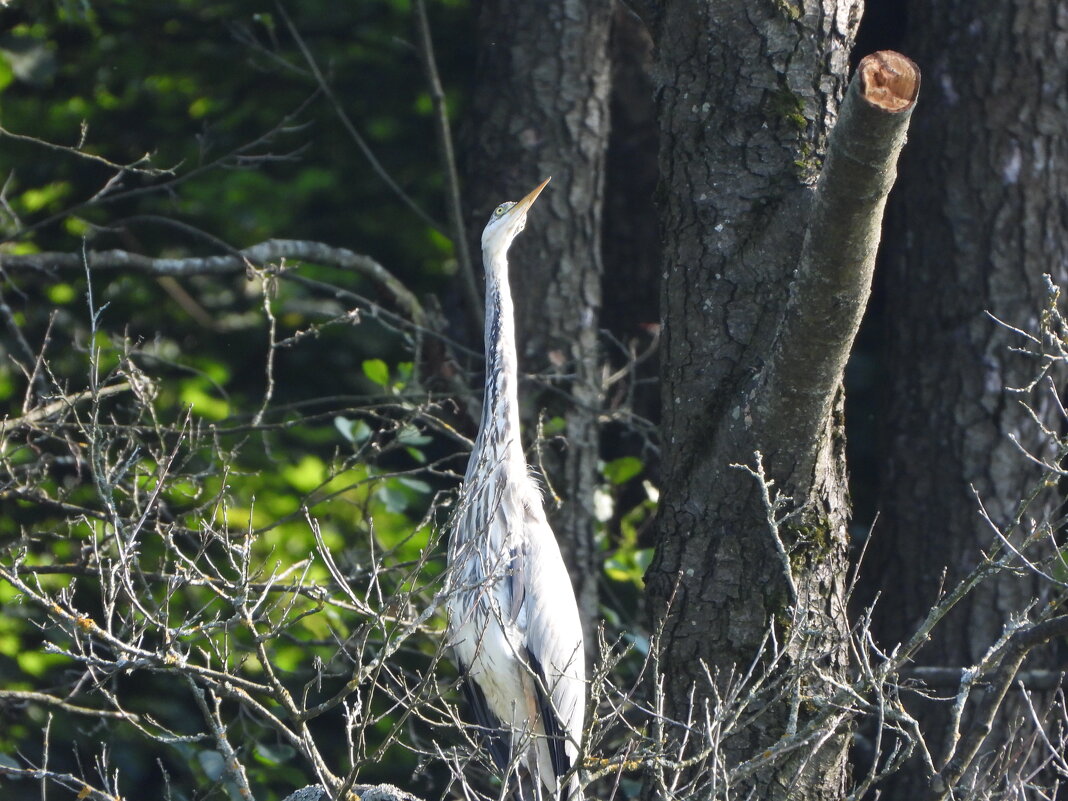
(266, 19)
(377, 370)
(203, 404)
(344, 427)
(1060, 566)
(36, 663)
(393, 499)
(76, 226)
(213, 764)
(415, 484)
(611, 616)
(617, 569)
(553, 426)
(273, 754)
(629, 565)
(643, 557)
(6, 73)
(361, 431)
(45, 197)
(622, 470)
(641, 645)
(410, 435)
(61, 293)
(305, 475)
(10, 645)
(355, 431)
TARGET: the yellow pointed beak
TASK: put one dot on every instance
(524, 204)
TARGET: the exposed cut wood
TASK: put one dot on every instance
(890, 80)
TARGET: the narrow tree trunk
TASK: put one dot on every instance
(747, 97)
(631, 244)
(977, 221)
(541, 109)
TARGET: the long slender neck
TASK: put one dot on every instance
(498, 433)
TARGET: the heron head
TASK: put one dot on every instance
(507, 220)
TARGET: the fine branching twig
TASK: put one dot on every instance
(448, 158)
(346, 121)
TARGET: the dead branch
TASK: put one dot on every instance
(1015, 650)
(837, 258)
(264, 254)
(448, 159)
(941, 677)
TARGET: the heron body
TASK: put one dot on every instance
(513, 621)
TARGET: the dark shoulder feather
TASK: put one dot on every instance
(497, 740)
(556, 738)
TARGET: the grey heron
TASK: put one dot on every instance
(513, 620)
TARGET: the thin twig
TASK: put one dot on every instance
(235, 157)
(448, 158)
(361, 143)
(133, 166)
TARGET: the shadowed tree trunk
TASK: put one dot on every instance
(631, 237)
(978, 219)
(763, 293)
(541, 109)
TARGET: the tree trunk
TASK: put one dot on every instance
(747, 96)
(977, 221)
(541, 109)
(631, 237)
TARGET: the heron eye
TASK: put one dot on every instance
(500, 210)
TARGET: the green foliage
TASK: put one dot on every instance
(216, 78)
(221, 507)
(215, 445)
(1060, 565)
(216, 436)
(626, 506)
(628, 561)
(377, 371)
(623, 469)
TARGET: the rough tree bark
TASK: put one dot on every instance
(747, 97)
(540, 108)
(978, 219)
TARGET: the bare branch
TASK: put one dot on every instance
(937, 676)
(346, 121)
(52, 408)
(273, 251)
(132, 167)
(448, 157)
(1016, 649)
(837, 258)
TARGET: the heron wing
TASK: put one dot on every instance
(497, 739)
(555, 736)
(553, 639)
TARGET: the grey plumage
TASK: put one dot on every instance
(513, 621)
